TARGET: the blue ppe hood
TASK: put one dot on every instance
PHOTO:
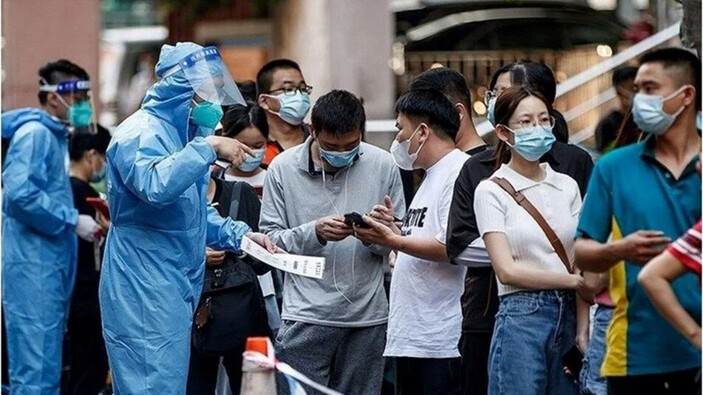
(12, 120)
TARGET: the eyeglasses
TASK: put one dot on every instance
(290, 90)
(525, 123)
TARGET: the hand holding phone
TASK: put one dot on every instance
(573, 363)
(355, 219)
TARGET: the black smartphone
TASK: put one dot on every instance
(573, 361)
(355, 219)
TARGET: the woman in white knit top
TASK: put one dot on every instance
(536, 323)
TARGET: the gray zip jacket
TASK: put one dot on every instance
(297, 194)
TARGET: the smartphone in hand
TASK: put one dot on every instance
(573, 362)
(355, 219)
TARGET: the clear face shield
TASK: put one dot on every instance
(209, 77)
(80, 114)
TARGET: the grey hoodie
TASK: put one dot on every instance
(351, 293)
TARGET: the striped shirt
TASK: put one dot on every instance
(687, 249)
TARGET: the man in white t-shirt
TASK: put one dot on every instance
(424, 322)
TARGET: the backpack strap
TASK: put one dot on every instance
(534, 213)
(235, 198)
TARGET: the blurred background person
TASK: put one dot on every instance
(248, 90)
(454, 85)
(87, 356)
(607, 129)
(39, 226)
(285, 97)
(140, 82)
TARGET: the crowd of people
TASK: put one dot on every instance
(518, 268)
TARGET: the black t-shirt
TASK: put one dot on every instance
(85, 293)
(607, 130)
(477, 150)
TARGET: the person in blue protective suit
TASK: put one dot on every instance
(159, 162)
(39, 227)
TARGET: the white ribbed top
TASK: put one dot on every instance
(556, 197)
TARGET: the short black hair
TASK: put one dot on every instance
(451, 82)
(247, 89)
(338, 112)
(80, 143)
(688, 64)
(264, 78)
(239, 117)
(623, 74)
(433, 107)
(59, 71)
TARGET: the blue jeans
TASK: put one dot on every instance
(591, 381)
(533, 330)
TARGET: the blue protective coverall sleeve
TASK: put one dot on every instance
(158, 177)
(223, 234)
(23, 179)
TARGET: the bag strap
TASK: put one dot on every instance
(534, 213)
(236, 197)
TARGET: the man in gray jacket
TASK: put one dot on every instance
(334, 328)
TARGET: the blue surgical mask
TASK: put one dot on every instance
(698, 120)
(252, 163)
(99, 175)
(491, 112)
(533, 141)
(649, 115)
(206, 114)
(339, 159)
(294, 108)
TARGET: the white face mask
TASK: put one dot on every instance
(401, 156)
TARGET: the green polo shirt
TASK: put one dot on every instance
(629, 191)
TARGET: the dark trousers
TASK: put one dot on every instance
(474, 348)
(428, 376)
(87, 356)
(202, 372)
(683, 382)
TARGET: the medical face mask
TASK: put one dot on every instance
(491, 112)
(649, 115)
(294, 108)
(339, 159)
(79, 113)
(533, 141)
(252, 163)
(99, 175)
(401, 156)
(206, 114)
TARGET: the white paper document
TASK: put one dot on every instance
(308, 266)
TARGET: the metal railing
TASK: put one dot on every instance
(581, 107)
